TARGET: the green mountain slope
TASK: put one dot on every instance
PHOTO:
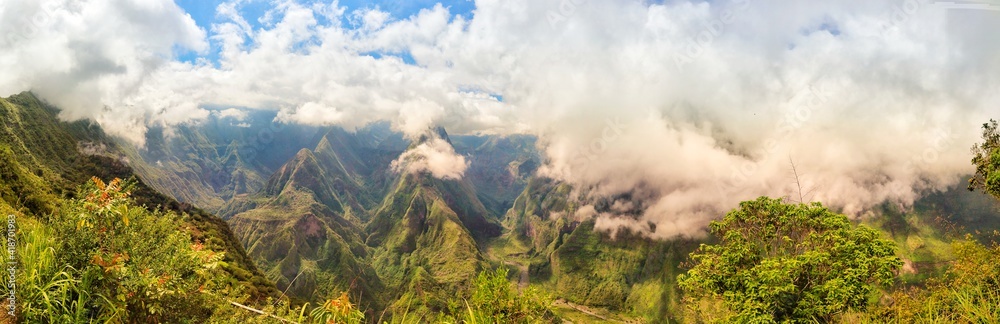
(209, 163)
(499, 167)
(43, 160)
(626, 274)
(337, 218)
(633, 276)
(305, 237)
(304, 226)
(424, 249)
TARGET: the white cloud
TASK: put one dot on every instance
(234, 113)
(92, 58)
(434, 156)
(688, 107)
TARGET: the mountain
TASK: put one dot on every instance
(335, 217)
(338, 218)
(426, 237)
(43, 160)
(210, 162)
(321, 211)
(422, 249)
(304, 226)
(635, 276)
(499, 166)
(626, 273)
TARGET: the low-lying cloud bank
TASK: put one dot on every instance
(685, 108)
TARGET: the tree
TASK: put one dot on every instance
(779, 262)
(986, 158)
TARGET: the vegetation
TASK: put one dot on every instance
(103, 258)
(494, 301)
(307, 236)
(623, 277)
(969, 292)
(112, 261)
(43, 161)
(337, 310)
(780, 262)
(422, 249)
(349, 242)
(986, 159)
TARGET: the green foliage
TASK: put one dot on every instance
(986, 159)
(119, 262)
(786, 262)
(102, 258)
(46, 290)
(337, 310)
(422, 249)
(969, 292)
(625, 273)
(43, 160)
(494, 301)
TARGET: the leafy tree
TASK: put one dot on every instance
(779, 262)
(986, 158)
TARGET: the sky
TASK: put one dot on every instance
(204, 15)
(682, 107)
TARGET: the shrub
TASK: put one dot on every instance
(127, 264)
(494, 301)
(337, 310)
(969, 292)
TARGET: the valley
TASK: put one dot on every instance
(335, 217)
(511, 161)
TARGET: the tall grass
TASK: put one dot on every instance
(969, 292)
(45, 290)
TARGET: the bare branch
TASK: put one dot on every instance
(804, 191)
(798, 184)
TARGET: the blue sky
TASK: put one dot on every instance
(203, 13)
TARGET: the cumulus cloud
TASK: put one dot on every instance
(672, 111)
(232, 113)
(434, 156)
(92, 58)
(685, 109)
